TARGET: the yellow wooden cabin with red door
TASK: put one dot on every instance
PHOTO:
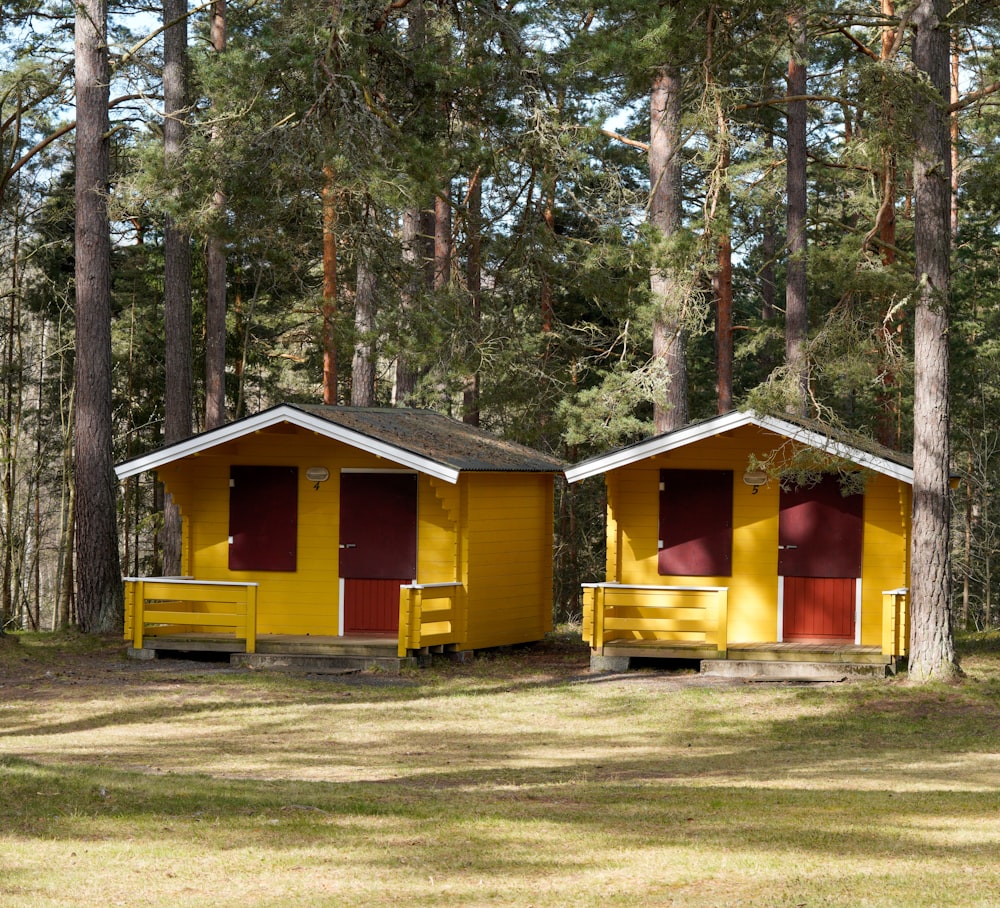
(318, 536)
(748, 543)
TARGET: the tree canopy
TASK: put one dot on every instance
(565, 222)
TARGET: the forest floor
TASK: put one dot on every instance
(516, 778)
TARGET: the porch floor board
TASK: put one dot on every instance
(756, 652)
(380, 645)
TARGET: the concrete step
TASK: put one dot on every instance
(318, 665)
(790, 671)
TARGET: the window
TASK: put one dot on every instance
(696, 523)
(263, 518)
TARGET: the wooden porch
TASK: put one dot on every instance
(623, 622)
(299, 652)
(181, 614)
(758, 652)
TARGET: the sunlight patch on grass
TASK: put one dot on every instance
(477, 785)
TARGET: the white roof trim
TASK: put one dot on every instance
(700, 431)
(296, 417)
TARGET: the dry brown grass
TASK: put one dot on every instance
(516, 779)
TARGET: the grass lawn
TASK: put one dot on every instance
(515, 779)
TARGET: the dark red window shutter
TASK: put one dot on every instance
(696, 523)
(263, 518)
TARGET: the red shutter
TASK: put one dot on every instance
(696, 523)
(263, 518)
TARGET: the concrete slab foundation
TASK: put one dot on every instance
(790, 671)
(318, 665)
(600, 663)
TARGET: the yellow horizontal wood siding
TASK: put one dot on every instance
(305, 601)
(508, 557)
(886, 550)
(633, 528)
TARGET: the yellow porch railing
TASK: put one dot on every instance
(895, 622)
(174, 605)
(619, 611)
(430, 614)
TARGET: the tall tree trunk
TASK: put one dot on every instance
(722, 286)
(442, 238)
(474, 286)
(215, 266)
(549, 219)
(363, 365)
(796, 274)
(720, 225)
(99, 599)
(956, 73)
(932, 649)
(887, 428)
(412, 233)
(330, 291)
(768, 252)
(670, 410)
(178, 404)
(411, 242)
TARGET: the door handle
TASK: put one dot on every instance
(348, 545)
(787, 547)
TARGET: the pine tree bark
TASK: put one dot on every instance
(474, 287)
(412, 232)
(330, 288)
(932, 648)
(796, 273)
(99, 589)
(178, 399)
(442, 238)
(411, 243)
(215, 266)
(363, 364)
(670, 411)
(768, 252)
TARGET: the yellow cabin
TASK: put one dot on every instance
(718, 550)
(321, 536)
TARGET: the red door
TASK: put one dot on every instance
(819, 557)
(378, 547)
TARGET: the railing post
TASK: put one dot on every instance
(895, 628)
(251, 618)
(888, 629)
(138, 616)
(589, 594)
(418, 618)
(129, 609)
(410, 607)
(722, 621)
(405, 618)
(600, 600)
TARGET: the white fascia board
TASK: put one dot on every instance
(700, 431)
(837, 448)
(273, 417)
(658, 445)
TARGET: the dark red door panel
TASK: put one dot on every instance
(378, 525)
(372, 606)
(819, 609)
(820, 531)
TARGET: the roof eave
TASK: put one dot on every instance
(700, 431)
(285, 413)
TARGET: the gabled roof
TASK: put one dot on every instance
(871, 456)
(417, 439)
